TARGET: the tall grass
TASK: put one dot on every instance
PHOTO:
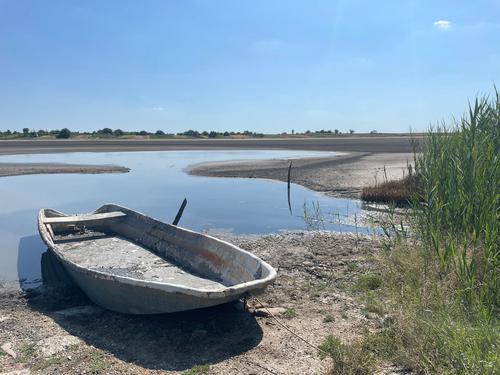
(440, 282)
(460, 175)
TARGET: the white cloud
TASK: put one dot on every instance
(443, 25)
(157, 109)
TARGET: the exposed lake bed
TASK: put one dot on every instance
(341, 176)
(156, 185)
(59, 330)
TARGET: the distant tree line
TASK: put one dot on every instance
(215, 134)
(335, 132)
(65, 133)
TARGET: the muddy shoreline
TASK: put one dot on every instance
(342, 175)
(54, 331)
(58, 330)
(385, 144)
(362, 160)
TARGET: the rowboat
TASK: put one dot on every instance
(131, 263)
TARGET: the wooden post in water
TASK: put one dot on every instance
(288, 187)
(289, 173)
(179, 213)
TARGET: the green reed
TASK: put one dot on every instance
(459, 170)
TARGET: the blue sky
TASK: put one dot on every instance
(267, 66)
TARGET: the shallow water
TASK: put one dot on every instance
(156, 185)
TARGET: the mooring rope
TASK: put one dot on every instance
(260, 366)
(289, 329)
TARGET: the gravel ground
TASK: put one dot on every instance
(56, 331)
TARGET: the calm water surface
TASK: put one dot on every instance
(156, 185)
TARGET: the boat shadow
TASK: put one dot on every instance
(173, 342)
(29, 254)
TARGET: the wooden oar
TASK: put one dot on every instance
(179, 213)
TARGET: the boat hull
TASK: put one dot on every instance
(103, 269)
(132, 299)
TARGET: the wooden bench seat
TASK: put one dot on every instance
(83, 218)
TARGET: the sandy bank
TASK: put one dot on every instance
(15, 169)
(342, 175)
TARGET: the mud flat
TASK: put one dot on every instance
(379, 144)
(56, 331)
(343, 175)
(16, 169)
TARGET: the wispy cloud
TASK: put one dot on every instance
(443, 25)
(157, 109)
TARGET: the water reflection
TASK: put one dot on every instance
(29, 257)
(53, 272)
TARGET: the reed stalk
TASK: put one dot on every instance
(459, 173)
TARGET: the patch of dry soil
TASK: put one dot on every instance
(60, 332)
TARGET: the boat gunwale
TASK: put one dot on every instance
(222, 292)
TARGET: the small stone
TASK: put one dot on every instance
(269, 311)
(7, 348)
(17, 372)
(371, 316)
(259, 305)
(385, 321)
(261, 312)
(5, 318)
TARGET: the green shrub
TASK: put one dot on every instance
(64, 133)
(348, 359)
(198, 370)
(328, 318)
(368, 281)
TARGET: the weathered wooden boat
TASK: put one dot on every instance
(131, 263)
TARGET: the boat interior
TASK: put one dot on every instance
(129, 244)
